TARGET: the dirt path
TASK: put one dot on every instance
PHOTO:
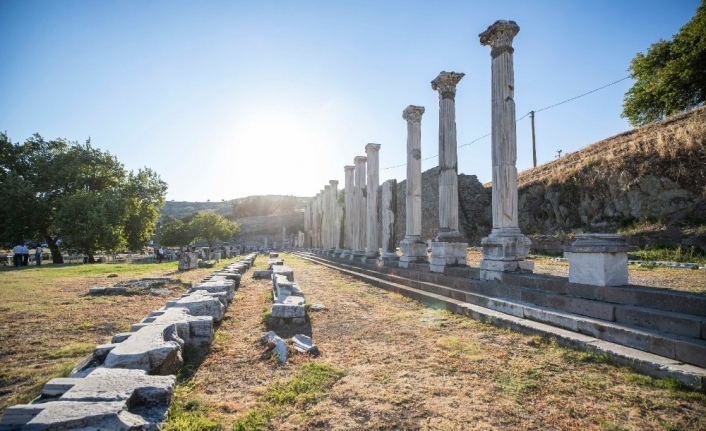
(412, 368)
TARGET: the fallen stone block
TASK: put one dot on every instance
(97, 290)
(221, 286)
(303, 344)
(284, 270)
(291, 306)
(262, 274)
(106, 399)
(283, 288)
(199, 304)
(195, 331)
(155, 349)
(275, 345)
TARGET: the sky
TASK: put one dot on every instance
(227, 99)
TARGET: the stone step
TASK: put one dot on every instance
(675, 347)
(681, 324)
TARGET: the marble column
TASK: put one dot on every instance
(372, 243)
(335, 223)
(389, 220)
(349, 213)
(449, 247)
(307, 225)
(326, 220)
(505, 249)
(284, 236)
(413, 247)
(359, 206)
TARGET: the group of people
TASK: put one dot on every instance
(21, 255)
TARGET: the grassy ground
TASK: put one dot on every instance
(388, 363)
(48, 322)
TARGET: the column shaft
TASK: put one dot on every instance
(372, 226)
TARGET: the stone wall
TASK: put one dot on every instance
(474, 207)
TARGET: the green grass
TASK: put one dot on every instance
(461, 349)
(254, 420)
(670, 254)
(307, 386)
(72, 351)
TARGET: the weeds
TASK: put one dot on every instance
(307, 386)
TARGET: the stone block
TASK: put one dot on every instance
(262, 274)
(57, 387)
(508, 244)
(119, 338)
(598, 269)
(291, 306)
(665, 321)
(284, 270)
(447, 254)
(691, 351)
(155, 349)
(199, 304)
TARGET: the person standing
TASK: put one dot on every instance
(25, 255)
(17, 255)
(38, 255)
(160, 254)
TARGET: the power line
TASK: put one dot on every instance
(584, 94)
(523, 117)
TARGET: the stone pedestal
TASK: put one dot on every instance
(445, 254)
(414, 250)
(598, 259)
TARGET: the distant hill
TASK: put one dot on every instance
(249, 206)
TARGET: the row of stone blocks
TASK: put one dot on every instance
(128, 383)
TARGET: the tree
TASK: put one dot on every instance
(671, 77)
(174, 232)
(76, 193)
(210, 226)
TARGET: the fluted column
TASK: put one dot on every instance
(326, 221)
(359, 206)
(335, 223)
(388, 217)
(505, 248)
(349, 213)
(445, 84)
(413, 247)
(372, 243)
(449, 249)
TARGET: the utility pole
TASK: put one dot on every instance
(534, 147)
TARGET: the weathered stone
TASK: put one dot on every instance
(505, 242)
(303, 344)
(188, 260)
(275, 345)
(199, 304)
(155, 349)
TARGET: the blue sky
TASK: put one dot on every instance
(230, 99)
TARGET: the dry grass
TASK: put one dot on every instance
(48, 322)
(675, 147)
(408, 367)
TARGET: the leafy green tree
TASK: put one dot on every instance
(55, 189)
(210, 226)
(91, 221)
(671, 77)
(174, 232)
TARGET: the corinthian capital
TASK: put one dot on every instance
(413, 114)
(499, 37)
(445, 84)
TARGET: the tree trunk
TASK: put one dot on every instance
(56, 256)
(91, 258)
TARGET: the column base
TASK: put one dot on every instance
(445, 254)
(448, 235)
(505, 244)
(504, 250)
(374, 254)
(357, 254)
(345, 254)
(337, 252)
(414, 250)
(392, 257)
